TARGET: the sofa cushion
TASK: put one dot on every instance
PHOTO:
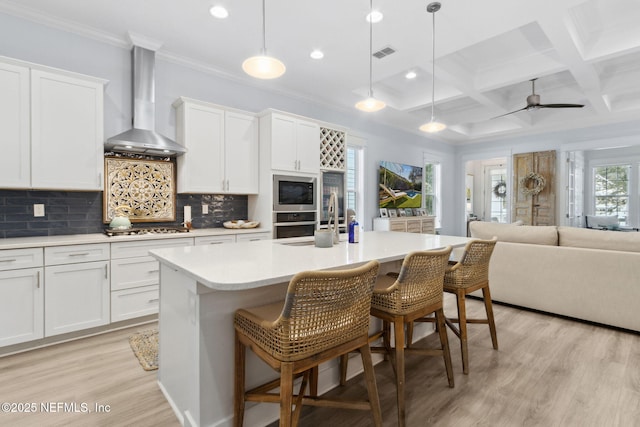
(537, 235)
(599, 239)
(594, 221)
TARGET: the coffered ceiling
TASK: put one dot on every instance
(581, 51)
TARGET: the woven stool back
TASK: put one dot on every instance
(322, 310)
(473, 267)
(418, 285)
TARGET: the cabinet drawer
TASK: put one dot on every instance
(130, 303)
(12, 259)
(414, 226)
(57, 255)
(215, 240)
(398, 226)
(249, 237)
(142, 248)
(129, 273)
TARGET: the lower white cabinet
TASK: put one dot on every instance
(76, 297)
(134, 302)
(250, 237)
(135, 277)
(21, 306)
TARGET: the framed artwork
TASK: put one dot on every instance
(143, 190)
(402, 212)
(392, 213)
(399, 185)
(422, 212)
(384, 213)
(408, 212)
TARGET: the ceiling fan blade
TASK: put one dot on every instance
(560, 106)
(506, 114)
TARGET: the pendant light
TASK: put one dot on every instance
(371, 104)
(263, 66)
(433, 126)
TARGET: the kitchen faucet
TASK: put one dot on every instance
(332, 210)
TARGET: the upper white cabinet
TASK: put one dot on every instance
(15, 137)
(66, 132)
(51, 128)
(295, 143)
(222, 146)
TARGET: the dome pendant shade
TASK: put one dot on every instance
(263, 67)
(433, 127)
(370, 105)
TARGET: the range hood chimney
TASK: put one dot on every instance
(143, 139)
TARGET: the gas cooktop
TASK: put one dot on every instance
(144, 230)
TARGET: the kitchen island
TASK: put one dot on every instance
(202, 286)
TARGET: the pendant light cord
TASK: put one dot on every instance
(264, 31)
(370, 48)
(433, 64)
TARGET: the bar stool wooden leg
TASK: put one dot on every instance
(286, 393)
(372, 388)
(238, 402)
(399, 363)
(444, 342)
(409, 334)
(488, 306)
(313, 382)
(344, 362)
(462, 319)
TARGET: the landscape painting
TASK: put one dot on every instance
(400, 186)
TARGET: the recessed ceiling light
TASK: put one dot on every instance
(219, 12)
(317, 54)
(375, 16)
(411, 75)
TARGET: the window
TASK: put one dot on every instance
(431, 192)
(611, 191)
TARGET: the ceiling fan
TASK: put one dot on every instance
(533, 102)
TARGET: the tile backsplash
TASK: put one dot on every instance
(77, 212)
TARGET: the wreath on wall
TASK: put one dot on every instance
(500, 189)
(532, 184)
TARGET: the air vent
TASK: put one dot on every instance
(384, 52)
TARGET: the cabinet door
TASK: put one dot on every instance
(21, 306)
(201, 130)
(66, 132)
(252, 237)
(215, 240)
(241, 153)
(76, 297)
(308, 147)
(283, 143)
(15, 140)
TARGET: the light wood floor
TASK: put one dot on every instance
(548, 372)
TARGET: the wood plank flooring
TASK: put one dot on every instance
(549, 371)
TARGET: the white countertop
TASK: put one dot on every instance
(249, 265)
(81, 239)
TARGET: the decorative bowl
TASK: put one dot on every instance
(240, 223)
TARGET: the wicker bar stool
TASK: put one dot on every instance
(463, 277)
(399, 299)
(325, 314)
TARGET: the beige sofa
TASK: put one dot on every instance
(587, 274)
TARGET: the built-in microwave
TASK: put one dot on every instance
(294, 193)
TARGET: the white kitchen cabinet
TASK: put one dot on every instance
(215, 240)
(15, 162)
(295, 144)
(21, 295)
(135, 277)
(66, 132)
(222, 146)
(251, 237)
(76, 288)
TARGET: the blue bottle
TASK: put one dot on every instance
(354, 230)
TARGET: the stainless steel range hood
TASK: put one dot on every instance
(143, 139)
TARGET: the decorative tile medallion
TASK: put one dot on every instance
(143, 190)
